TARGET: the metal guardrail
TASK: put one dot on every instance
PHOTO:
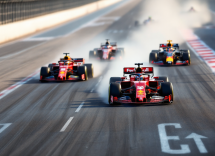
(16, 10)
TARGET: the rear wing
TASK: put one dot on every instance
(147, 70)
(111, 43)
(130, 70)
(175, 45)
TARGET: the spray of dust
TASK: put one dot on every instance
(169, 17)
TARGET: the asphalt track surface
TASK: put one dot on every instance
(51, 118)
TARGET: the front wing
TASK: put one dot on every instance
(178, 63)
(166, 99)
(70, 78)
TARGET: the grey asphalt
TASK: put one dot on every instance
(38, 111)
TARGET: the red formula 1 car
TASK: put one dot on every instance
(67, 69)
(140, 87)
(107, 51)
(170, 54)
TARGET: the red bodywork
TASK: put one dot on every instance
(140, 87)
(60, 70)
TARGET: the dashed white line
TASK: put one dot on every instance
(5, 125)
(81, 105)
(66, 124)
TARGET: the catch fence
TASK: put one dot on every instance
(16, 10)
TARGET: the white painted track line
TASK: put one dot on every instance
(66, 124)
(5, 125)
(81, 105)
(17, 85)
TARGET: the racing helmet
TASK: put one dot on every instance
(107, 43)
(169, 44)
(138, 70)
(67, 58)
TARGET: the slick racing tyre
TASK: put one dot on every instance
(122, 51)
(91, 54)
(44, 71)
(82, 70)
(166, 89)
(119, 53)
(152, 57)
(114, 79)
(163, 78)
(90, 72)
(50, 66)
(186, 56)
(115, 91)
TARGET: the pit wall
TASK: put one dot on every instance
(19, 29)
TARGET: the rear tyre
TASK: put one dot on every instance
(90, 72)
(163, 78)
(115, 91)
(122, 51)
(50, 66)
(186, 56)
(91, 54)
(166, 89)
(114, 79)
(82, 70)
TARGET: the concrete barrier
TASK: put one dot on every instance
(22, 28)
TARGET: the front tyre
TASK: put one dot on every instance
(186, 56)
(152, 57)
(83, 70)
(166, 89)
(90, 70)
(115, 91)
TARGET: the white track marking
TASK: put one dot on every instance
(17, 85)
(5, 125)
(197, 138)
(102, 21)
(81, 105)
(164, 140)
(39, 39)
(66, 124)
(19, 52)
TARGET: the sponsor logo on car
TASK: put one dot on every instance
(140, 92)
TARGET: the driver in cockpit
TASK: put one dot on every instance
(107, 43)
(138, 77)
